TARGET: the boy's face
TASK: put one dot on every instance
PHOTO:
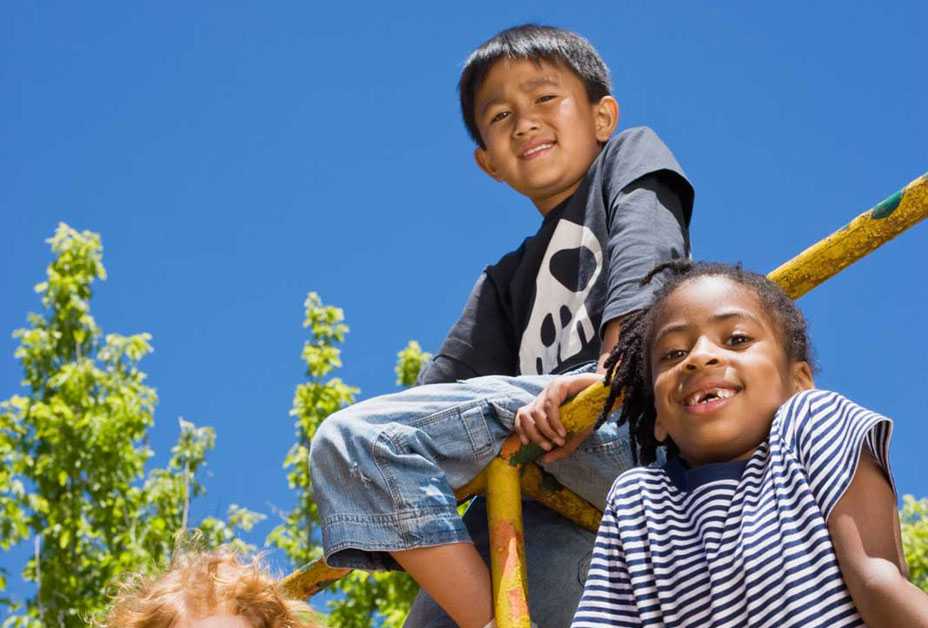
(540, 130)
(719, 371)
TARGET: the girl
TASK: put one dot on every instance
(775, 506)
(208, 590)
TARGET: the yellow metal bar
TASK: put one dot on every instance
(477, 486)
(305, 583)
(864, 234)
(546, 490)
(507, 546)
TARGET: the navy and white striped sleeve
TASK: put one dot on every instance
(607, 598)
(827, 433)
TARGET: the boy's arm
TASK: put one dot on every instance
(864, 528)
(611, 333)
(479, 342)
(647, 226)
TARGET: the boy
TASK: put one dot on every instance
(537, 102)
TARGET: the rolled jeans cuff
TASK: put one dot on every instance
(365, 541)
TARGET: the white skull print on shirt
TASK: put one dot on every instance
(559, 326)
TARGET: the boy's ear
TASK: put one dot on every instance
(485, 163)
(801, 375)
(605, 117)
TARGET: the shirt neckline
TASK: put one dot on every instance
(687, 479)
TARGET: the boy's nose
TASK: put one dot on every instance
(525, 125)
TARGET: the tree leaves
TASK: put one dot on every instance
(409, 362)
(73, 454)
(914, 520)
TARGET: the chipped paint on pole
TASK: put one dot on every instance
(864, 234)
(507, 546)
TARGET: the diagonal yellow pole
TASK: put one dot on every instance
(866, 233)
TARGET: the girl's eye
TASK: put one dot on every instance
(499, 116)
(673, 354)
(738, 339)
(545, 98)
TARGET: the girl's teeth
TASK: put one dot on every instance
(706, 397)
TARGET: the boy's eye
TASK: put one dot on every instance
(545, 98)
(499, 116)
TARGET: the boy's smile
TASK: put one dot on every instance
(539, 129)
(719, 370)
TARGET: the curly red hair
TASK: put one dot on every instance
(199, 585)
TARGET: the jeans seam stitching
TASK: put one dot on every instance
(389, 479)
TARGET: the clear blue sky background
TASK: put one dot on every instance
(234, 158)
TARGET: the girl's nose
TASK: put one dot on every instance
(704, 353)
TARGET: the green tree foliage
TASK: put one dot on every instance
(72, 454)
(409, 362)
(313, 401)
(366, 598)
(914, 519)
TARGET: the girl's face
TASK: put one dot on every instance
(719, 370)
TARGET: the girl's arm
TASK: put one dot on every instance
(864, 527)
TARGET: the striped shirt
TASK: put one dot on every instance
(740, 543)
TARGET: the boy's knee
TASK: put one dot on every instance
(331, 442)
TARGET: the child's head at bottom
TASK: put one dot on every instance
(706, 366)
(208, 590)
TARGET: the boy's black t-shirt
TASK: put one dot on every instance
(542, 308)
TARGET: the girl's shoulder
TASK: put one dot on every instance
(825, 434)
(629, 484)
(805, 413)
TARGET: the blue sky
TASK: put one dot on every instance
(234, 158)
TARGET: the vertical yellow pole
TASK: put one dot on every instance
(507, 546)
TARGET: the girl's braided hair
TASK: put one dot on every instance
(628, 368)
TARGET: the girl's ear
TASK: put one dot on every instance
(660, 432)
(801, 375)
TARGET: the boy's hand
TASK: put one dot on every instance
(540, 421)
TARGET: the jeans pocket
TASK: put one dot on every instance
(459, 432)
(583, 567)
(475, 424)
(505, 414)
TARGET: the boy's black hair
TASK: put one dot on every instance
(628, 369)
(534, 43)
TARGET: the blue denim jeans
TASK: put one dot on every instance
(384, 470)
